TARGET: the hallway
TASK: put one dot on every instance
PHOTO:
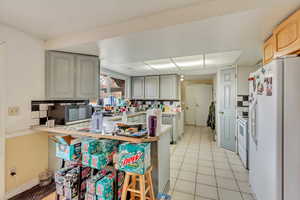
(202, 171)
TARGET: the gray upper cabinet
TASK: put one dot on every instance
(60, 75)
(138, 87)
(71, 76)
(87, 77)
(169, 87)
(152, 87)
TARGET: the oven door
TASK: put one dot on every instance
(242, 141)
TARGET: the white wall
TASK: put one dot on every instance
(242, 79)
(24, 73)
(22, 79)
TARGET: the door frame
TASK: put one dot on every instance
(218, 96)
(2, 119)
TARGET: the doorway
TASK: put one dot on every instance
(227, 108)
(2, 118)
(198, 98)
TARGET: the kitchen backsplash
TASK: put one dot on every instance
(39, 109)
(243, 105)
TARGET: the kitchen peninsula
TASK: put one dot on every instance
(160, 151)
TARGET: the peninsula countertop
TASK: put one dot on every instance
(77, 130)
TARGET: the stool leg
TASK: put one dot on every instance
(142, 187)
(149, 179)
(125, 187)
(133, 181)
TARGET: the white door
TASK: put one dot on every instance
(198, 98)
(227, 109)
(2, 129)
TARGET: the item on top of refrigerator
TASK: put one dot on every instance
(104, 188)
(90, 146)
(134, 158)
(97, 122)
(68, 148)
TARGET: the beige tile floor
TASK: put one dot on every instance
(202, 171)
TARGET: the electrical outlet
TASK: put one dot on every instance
(13, 111)
(13, 172)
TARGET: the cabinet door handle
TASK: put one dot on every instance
(221, 113)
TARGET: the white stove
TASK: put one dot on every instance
(243, 140)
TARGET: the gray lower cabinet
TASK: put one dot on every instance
(71, 76)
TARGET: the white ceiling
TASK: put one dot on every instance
(242, 31)
(51, 18)
(187, 65)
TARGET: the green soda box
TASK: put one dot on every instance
(104, 188)
(134, 158)
(68, 147)
(107, 146)
(99, 160)
(91, 183)
(90, 146)
(86, 159)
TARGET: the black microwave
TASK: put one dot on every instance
(70, 113)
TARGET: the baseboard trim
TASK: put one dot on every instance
(22, 188)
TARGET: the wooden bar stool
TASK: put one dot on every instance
(139, 186)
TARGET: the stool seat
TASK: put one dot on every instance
(139, 185)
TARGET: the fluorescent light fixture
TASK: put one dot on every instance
(161, 64)
(189, 61)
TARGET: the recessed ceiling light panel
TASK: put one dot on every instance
(161, 64)
(189, 61)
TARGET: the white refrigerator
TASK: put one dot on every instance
(274, 128)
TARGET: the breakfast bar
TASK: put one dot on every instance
(160, 151)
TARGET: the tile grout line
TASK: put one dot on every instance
(215, 173)
(196, 178)
(235, 179)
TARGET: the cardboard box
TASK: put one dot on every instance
(67, 147)
(91, 183)
(86, 159)
(134, 158)
(104, 188)
(90, 146)
(99, 161)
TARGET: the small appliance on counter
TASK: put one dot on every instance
(70, 112)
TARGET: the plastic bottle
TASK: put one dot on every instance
(124, 117)
(97, 122)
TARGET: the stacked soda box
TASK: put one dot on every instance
(100, 186)
(68, 148)
(134, 158)
(67, 181)
(98, 153)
